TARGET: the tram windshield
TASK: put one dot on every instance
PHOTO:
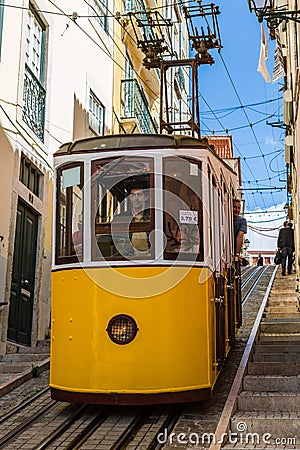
(122, 211)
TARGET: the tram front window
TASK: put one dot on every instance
(122, 208)
(183, 210)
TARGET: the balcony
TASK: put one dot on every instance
(135, 107)
(134, 6)
(34, 98)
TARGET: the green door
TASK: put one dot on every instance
(23, 276)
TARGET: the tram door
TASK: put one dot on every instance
(23, 276)
(216, 244)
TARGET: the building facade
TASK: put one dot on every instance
(137, 102)
(66, 73)
(56, 71)
(289, 41)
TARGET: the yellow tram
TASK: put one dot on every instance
(144, 308)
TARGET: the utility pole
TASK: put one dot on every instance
(152, 33)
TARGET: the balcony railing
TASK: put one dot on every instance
(135, 105)
(34, 98)
(134, 6)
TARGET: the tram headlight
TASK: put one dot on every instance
(122, 329)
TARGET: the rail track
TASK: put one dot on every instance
(42, 423)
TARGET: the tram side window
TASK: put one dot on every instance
(122, 208)
(183, 209)
(69, 220)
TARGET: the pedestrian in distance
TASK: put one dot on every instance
(285, 244)
(240, 228)
(260, 260)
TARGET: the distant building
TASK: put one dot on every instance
(267, 255)
(222, 145)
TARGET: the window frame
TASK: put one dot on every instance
(136, 227)
(72, 258)
(99, 131)
(185, 256)
(1, 24)
(30, 176)
(99, 6)
(42, 47)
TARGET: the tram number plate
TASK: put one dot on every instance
(188, 217)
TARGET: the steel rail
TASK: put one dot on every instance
(259, 274)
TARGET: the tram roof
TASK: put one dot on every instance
(139, 141)
(130, 141)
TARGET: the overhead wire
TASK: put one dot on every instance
(245, 113)
(235, 146)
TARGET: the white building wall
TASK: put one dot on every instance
(78, 57)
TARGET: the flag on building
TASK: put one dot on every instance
(278, 70)
(262, 68)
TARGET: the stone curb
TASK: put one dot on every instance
(22, 377)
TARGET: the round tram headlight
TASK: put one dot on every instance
(122, 329)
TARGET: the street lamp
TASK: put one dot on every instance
(273, 12)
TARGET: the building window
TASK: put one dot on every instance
(96, 115)
(29, 176)
(1, 24)
(134, 6)
(135, 105)
(99, 10)
(34, 94)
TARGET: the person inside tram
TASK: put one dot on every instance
(77, 238)
(138, 211)
(172, 228)
(182, 222)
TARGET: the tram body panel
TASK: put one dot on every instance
(172, 348)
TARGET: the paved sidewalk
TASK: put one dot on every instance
(23, 364)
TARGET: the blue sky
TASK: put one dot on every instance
(234, 81)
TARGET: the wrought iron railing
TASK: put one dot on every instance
(135, 105)
(34, 99)
(134, 6)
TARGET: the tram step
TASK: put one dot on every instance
(279, 337)
(272, 383)
(279, 425)
(282, 347)
(269, 401)
(276, 357)
(273, 368)
(280, 326)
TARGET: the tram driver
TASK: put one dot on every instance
(137, 211)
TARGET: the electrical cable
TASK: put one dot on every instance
(245, 113)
